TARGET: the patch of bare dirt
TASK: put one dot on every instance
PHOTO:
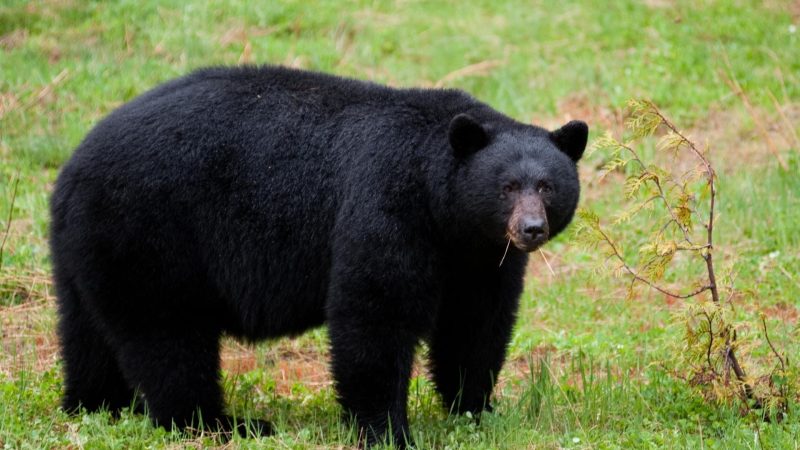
(659, 4)
(735, 142)
(286, 362)
(734, 139)
(8, 102)
(237, 358)
(783, 311)
(792, 7)
(580, 106)
(13, 39)
(308, 367)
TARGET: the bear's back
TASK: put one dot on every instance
(267, 111)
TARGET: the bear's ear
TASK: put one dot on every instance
(466, 135)
(571, 138)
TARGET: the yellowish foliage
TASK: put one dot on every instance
(675, 205)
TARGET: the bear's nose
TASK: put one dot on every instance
(533, 228)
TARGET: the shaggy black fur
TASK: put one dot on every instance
(261, 202)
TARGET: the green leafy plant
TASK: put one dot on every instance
(675, 204)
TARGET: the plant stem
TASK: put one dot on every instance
(661, 193)
(638, 277)
(766, 336)
(730, 356)
(10, 216)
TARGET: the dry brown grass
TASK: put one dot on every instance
(13, 39)
(27, 330)
(288, 361)
(744, 136)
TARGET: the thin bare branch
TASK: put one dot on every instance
(10, 216)
(766, 336)
(661, 193)
(710, 341)
(478, 69)
(710, 177)
(48, 89)
(642, 279)
(786, 123)
(733, 83)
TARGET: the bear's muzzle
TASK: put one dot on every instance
(528, 228)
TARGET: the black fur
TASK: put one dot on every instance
(261, 202)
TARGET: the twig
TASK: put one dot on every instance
(737, 368)
(10, 215)
(661, 194)
(664, 228)
(621, 218)
(638, 277)
(737, 89)
(45, 91)
(788, 125)
(766, 336)
(788, 275)
(480, 68)
(710, 341)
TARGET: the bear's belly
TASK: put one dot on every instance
(280, 291)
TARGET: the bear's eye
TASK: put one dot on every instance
(511, 187)
(544, 188)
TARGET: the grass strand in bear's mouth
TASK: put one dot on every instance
(546, 262)
(505, 253)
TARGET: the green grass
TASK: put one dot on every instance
(585, 366)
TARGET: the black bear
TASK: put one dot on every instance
(260, 202)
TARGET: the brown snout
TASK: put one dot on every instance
(527, 227)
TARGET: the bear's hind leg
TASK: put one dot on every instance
(92, 378)
(177, 372)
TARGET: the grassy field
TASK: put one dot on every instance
(587, 364)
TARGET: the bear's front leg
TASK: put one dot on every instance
(472, 332)
(371, 367)
(381, 302)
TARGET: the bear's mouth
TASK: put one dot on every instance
(527, 244)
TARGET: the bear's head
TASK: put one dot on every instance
(517, 183)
